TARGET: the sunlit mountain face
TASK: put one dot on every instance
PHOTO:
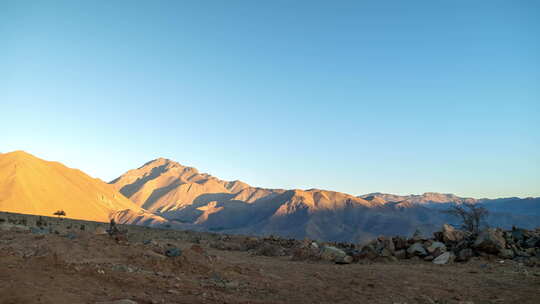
(194, 200)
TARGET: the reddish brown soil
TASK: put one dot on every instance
(94, 268)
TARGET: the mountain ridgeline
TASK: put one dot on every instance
(163, 193)
(189, 199)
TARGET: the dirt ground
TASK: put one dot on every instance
(77, 266)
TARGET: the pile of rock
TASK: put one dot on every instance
(311, 250)
(446, 246)
(451, 244)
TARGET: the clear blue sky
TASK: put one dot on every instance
(354, 96)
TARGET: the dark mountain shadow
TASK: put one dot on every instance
(517, 206)
(129, 190)
(210, 197)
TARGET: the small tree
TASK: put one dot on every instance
(471, 215)
(60, 213)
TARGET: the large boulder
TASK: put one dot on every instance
(445, 258)
(399, 243)
(451, 234)
(330, 253)
(306, 253)
(173, 252)
(436, 246)
(490, 241)
(417, 249)
(344, 259)
(368, 252)
(384, 246)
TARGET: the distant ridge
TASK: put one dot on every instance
(193, 200)
(428, 197)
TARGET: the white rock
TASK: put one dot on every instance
(436, 245)
(417, 249)
(444, 258)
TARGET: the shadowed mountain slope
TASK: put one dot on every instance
(199, 201)
(162, 185)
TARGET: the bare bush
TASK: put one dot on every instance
(472, 216)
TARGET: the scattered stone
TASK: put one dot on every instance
(436, 246)
(344, 260)
(445, 258)
(232, 284)
(71, 236)
(173, 252)
(38, 231)
(123, 268)
(330, 253)
(450, 234)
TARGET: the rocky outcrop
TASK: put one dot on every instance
(490, 241)
(450, 234)
(444, 258)
(451, 244)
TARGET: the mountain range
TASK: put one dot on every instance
(165, 193)
(193, 200)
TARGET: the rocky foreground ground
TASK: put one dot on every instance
(49, 260)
